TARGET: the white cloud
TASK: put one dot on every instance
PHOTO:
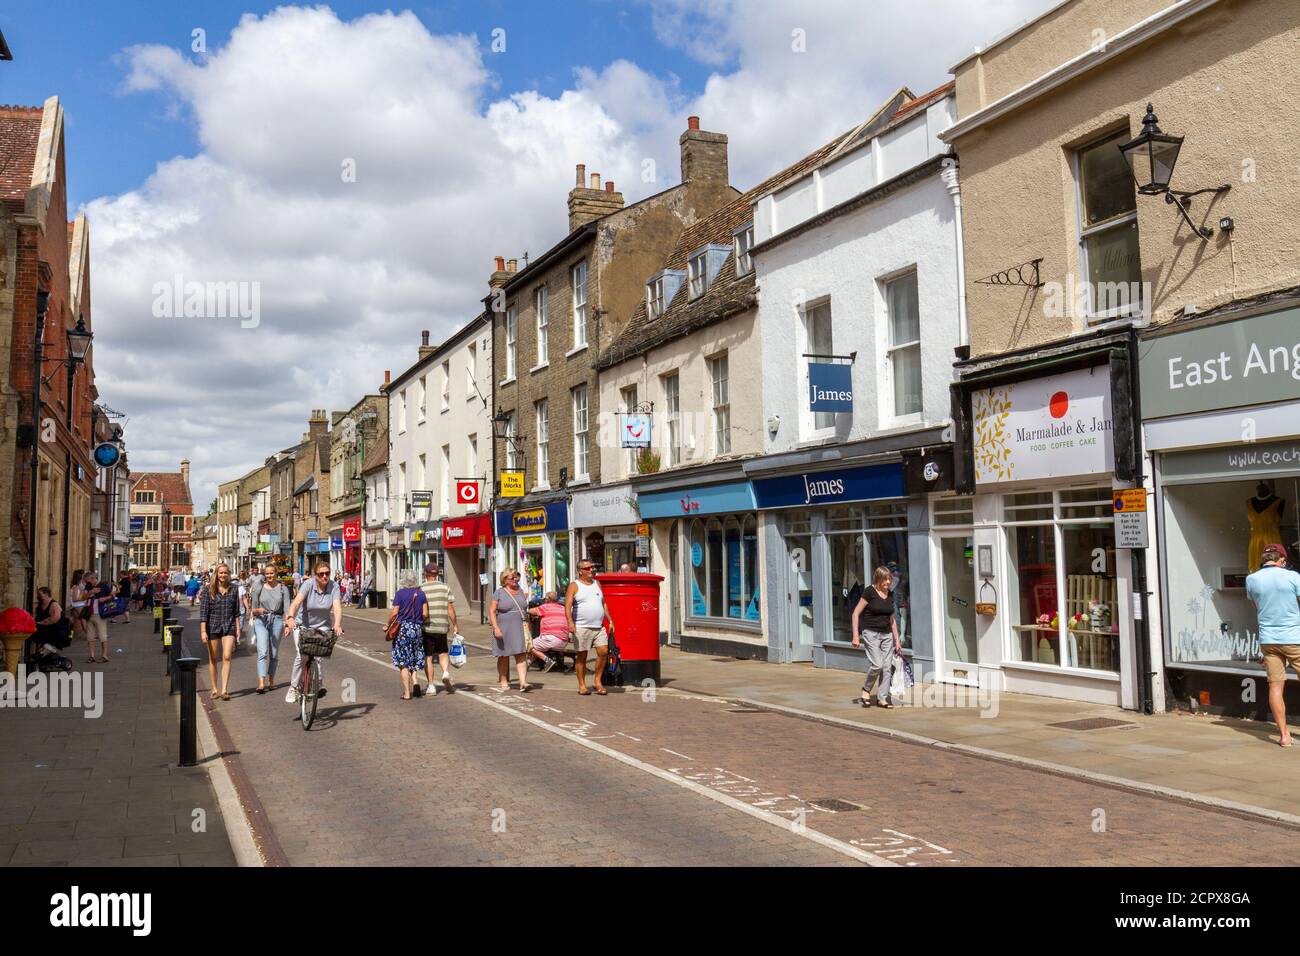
(450, 171)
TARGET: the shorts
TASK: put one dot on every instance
(551, 642)
(97, 628)
(435, 644)
(1277, 657)
(588, 637)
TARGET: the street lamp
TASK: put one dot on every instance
(1151, 156)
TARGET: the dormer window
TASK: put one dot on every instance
(743, 242)
(699, 275)
(655, 297)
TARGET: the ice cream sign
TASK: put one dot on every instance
(1051, 427)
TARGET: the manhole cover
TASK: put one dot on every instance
(834, 804)
(1093, 723)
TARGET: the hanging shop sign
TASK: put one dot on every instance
(1055, 426)
(512, 484)
(830, 487)
(137, 527)
(467, 491)
(336, 542)
(548, 518)
(830, 387)
(703, 500)
(634, 430)
(928, 471)
(421, 499)
(352, 531)
(1248, 362)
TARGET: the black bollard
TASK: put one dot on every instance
(174, 654)
(188, 667)
(157, 620)
(168, 621)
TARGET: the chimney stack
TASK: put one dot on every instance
(609, 185)
(704, 157)
(185, 471)
(512, 266)
(424, 336)
(499, 277)
(388, 376)
(588, 202)
(318, 424)
(425, 348)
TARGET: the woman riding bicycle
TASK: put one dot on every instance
(320, 604)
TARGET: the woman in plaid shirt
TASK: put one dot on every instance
(219, 612)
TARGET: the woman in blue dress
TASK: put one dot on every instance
(411, 609)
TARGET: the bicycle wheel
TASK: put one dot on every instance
(307, 696)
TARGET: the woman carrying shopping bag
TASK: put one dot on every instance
(879, 633)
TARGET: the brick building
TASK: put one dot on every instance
(352, 432)
(41, 252)
(162, 503)
(550, 322)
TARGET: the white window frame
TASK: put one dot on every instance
(654, 297)
(471, 371)
(444, 481)
(1091, 317)
(809, 430)
(422, 394)
(742, 241)
(511, 336)
(446, 385)
(512, 431)
(401, 411)
(890, 348)
(543, 320)
(673, 417)
(720, 403)
(581, 401)
(580, 310)
(697, 272)
(542, 418)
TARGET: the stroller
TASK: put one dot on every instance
(43, 650)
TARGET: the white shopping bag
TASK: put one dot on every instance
(897, 682)
(457, 651)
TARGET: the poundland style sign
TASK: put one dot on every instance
(1248, 362)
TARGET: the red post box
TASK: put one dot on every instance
(632, 600)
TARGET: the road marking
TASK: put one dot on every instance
(790, 826)
(242, 840)
(675, 753)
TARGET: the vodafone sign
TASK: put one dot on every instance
(1057, 426)
(466, 492)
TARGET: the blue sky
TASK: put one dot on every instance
(86, 39)
(225, 166)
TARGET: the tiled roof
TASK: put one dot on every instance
(20, 128)
(729, 294)
(170, 484)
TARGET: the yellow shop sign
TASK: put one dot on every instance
(523, 522)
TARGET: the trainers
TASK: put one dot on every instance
(291, 697)
(446, 682)
(550, 662)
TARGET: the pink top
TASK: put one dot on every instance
(554, 623)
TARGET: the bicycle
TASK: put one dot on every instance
(313, 643)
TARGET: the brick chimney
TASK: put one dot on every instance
(499, 276)
(587, 203)
(704, 156)
(318, 424)
(425, 348)
(185, 471)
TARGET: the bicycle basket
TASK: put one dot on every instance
(316, 643)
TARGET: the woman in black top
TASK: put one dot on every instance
(880, 635)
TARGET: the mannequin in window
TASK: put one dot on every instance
(1264, 511)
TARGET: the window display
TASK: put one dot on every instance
(724, 570)
(859, 541)
(1211, 543)
(1062, 578)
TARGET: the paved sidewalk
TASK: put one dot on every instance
(81, 790)
(1213, 757)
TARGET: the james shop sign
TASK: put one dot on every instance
(1248, 362)
(830, 387)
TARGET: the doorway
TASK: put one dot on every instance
(960, 659)
(799, 590)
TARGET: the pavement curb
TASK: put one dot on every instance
(1045, 766)
(238, 827)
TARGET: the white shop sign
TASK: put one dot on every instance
(604, 507)
(1056, 426)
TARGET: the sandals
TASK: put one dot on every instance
(261, 690)
(584, 693)
(226, 695)
(885, 705)
(101, 660)
(601, 692)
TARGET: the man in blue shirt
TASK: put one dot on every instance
(1276, 593)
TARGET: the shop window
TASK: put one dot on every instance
(1063, 583)
(1214, 535)
(725, 576)
(844, 518)
(561, 564)
(954, 511)
(887, 516)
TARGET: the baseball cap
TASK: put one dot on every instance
(1278, 549)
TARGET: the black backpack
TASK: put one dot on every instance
(613, 665)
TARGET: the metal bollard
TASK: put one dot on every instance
(174, 650)
(188, 667)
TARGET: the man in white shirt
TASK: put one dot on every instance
(590, 623)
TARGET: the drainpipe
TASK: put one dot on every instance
(951, 181)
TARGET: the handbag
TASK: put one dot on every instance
(523, 615)
(390, 632)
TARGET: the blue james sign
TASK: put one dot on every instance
(830, 387)
(831, 487)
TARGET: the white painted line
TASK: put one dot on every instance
(1063, 770)
(675, 753)
(238, 828)
(790, 826)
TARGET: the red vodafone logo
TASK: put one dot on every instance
(1059, 404)
(467, 492)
